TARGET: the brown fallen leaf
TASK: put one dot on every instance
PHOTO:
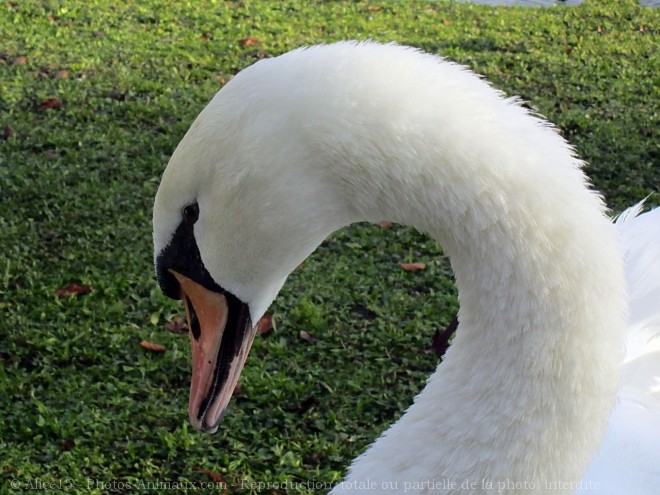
(62, 74)
(314, 459)
(49, 103)
(249, 41)
(7, 132)
(67, 444)
(385, 224)
(413, 267)
(306, 336)
(152, 347)
(446, 22)
(73, 289)
(20, 61)
(115, 94)
(265, 325)
(177, 326)
(217, 477)
(440, 342)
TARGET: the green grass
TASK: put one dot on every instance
(81, 402)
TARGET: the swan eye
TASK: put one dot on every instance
(190, 213)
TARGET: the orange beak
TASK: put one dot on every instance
(219, 350)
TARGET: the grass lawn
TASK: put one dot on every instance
(95, 95)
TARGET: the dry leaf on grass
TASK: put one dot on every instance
(306, 336)
(177, 326)
(49, 103)
(441, 338)
(115, 94)
(7, 132)
(413, 267)
(249, 41)
(151, 347)
(73, 289)
(265, 325)
(217, 477)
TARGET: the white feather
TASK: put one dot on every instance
(629, 460)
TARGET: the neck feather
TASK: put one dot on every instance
(524, 393)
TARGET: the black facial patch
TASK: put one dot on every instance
(182, 255)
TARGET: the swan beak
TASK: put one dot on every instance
(218, 351)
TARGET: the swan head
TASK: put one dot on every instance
(241, 204)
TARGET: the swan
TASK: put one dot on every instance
(298, 146)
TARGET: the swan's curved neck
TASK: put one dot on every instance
(370, 133)
(524, 393)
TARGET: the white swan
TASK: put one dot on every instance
(298, 146)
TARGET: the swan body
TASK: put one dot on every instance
(629, 459)
(298, 146)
